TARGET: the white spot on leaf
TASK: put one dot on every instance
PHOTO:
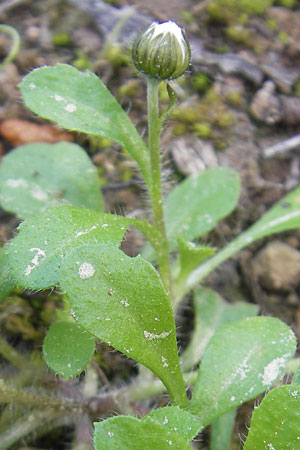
(39, 194)
(58, 98)
(35, 260)
(273, 369)
(125, 303)
(70, 107)
(164, 361)
(150, 336)
(16, 182)
(86, 270)
(32, 86)
(87, 230)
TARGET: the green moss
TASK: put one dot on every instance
(206, 117)
(187, 17)
(225, 120)
(233, 11)
(234, 99)
(222, 49)
(115, 54)
(61, 39)
(203, 130)
(297, 88)
(82, 62)
(272, 24)
(129, 89)
(180, 129)
(201, 82)
(283, 37)
(238, 34)
(287, 3)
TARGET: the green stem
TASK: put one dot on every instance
(9, 394)
(154, 130)
(38, 422)
(14, 357)
(147, 388)
(15, 47)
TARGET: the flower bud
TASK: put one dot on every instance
(162, 51)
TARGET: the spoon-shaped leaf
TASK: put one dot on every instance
(7, 283)
(67, 348)
(35, 177)
(211, 312)
(79, 101)
(176, 419)
(242, 360)
(35, 254)
(121, 300)
(275, 423)
(128, 433)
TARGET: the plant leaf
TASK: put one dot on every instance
(79, 101)
(296, 377)
(196, 204)
(173, 418)
(285, 215)
(36, 252)
(190, 255)
(128, 433)
(259, 349)
(68, 349)
(211, 312)
(35, 177)
(7, 282)
(121, 300)
(221, 431)
(275, 423)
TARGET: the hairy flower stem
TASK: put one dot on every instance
(9, 394)
(154, 130)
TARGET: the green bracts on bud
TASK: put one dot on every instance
(162, 51)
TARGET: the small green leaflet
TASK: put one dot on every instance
(7, 282)
(35, 254)
(275, 423)
(67, 349)
(79, 101)
(128, 433)
(121, 300)
(259, 349)
(173, 418)
(211, 312)
(37, 176)
(191, 255)
(196, 204)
